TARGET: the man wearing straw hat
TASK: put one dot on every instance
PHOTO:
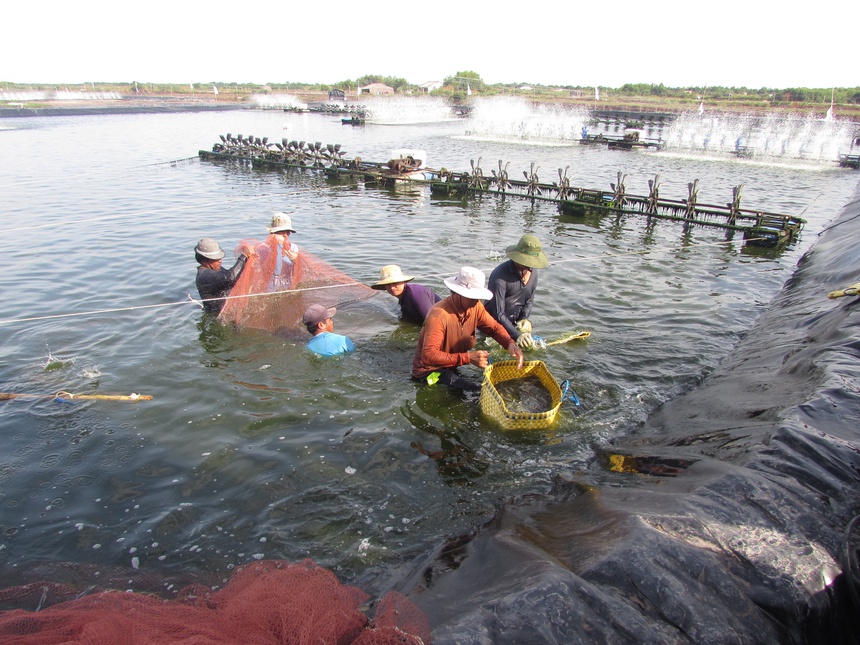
(415, 299)
(214, 282)
(286, 252)
(513, 284)
(447, 339)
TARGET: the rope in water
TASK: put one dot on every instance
(68, 396)
(171, 209)
(198, 302)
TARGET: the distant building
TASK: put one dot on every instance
(376, 89)
(576, 93)
(336, 95)
(429, 86)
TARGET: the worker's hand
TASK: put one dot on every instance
(524, 326)
(525, 341)
(517, 353)
(480, 358)
(292, 254)
(248, 251)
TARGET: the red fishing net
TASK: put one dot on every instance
(277, 286)
(267, 602)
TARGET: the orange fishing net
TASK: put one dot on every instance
(289, 284)
(267, 602)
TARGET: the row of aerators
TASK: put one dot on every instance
(759, 228)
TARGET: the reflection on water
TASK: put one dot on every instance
(252, 447)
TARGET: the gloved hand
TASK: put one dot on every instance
(524, 326)
(525, 341)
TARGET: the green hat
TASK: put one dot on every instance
(528, 253)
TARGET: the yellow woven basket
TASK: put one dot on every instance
(494, 407)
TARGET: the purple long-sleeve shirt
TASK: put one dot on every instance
(416, 301)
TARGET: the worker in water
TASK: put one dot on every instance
(447, 339)
(214, 282)
(415, 299)
(286, 252)
(513, 284)
(325, 342)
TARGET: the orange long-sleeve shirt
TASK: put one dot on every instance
(448, 334)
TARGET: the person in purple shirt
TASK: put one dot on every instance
(415, 299)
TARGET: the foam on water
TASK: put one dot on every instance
(405, 110)
(273, 101)
(513, 119)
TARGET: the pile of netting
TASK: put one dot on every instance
(274, 289)
(263, 603)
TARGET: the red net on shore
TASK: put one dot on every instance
(263, 603)
(274, 289)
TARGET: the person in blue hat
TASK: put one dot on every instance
(325, 342)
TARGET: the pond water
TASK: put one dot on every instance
(252, 447)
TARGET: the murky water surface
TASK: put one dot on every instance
(254, 448)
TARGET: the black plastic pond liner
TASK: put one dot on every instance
(723, 519)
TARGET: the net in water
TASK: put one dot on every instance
(266, 602)
(274, 290)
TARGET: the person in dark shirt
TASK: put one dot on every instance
(214, 282)
(415, 299)
(513, 284)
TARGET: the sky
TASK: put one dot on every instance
(678, 44)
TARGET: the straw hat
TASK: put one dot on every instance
(281, 222)
(315, 314)
(209, 248)
(528, 253)
(391, 274)
(469, 283)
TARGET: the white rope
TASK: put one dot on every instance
(150, 212)
(192, 300)
(589, 258)
(189, 301)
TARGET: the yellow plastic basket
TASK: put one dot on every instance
(494, 407)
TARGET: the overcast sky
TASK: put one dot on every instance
(731, 43)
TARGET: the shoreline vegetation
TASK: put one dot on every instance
(123, 97)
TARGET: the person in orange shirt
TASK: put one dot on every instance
(447, 339)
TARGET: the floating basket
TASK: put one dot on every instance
(494, 407)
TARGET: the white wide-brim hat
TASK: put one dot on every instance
(281, 222)
(469, 283)
(390, 274)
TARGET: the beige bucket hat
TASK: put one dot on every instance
(390, 274)
(209, 248)
(469, 283)
(281, 222)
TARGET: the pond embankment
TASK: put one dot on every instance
(721, 519)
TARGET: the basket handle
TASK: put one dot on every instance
(564, 393)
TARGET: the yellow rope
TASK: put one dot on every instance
(580, 335)
(853, 290)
